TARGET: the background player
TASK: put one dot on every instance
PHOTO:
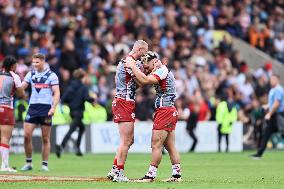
(165, 117)
(44, 98)
(123, 107)
(9, 83)
(75, 96)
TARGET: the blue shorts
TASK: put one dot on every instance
(38, 114)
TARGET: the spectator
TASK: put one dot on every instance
(199, 111)
(96, 34)
(226, 115)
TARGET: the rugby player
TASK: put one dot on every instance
(44, 98)
(123, 107)
(9, 84)
(165, 116)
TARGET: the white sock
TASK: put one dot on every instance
(114, 169)
(5, 155)
(176, 169)
(152, 172)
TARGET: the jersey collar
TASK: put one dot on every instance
(130, 55)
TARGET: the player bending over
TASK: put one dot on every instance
(165, 116)
(123, 108)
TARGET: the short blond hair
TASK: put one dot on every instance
(140, 44)
(39, 56)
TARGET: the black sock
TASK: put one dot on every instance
(45, 163)
(176, 176)
(29, 160)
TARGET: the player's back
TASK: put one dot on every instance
(125, 84)
(7, 88)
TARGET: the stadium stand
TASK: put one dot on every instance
(194, 37)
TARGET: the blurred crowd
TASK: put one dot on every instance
(95, 35)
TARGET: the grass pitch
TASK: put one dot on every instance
(232, 170)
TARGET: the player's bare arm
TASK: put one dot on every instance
(56, 98)
(138, 82)
(25, 85)
(20, 92)
(140, 76)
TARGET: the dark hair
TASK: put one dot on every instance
(8, 62)
(146, 58)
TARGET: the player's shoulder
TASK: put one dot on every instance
(52, 74)
(14, 75)
(162, 70)
(29, 73)
(129, 58)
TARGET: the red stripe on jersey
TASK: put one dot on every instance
(41, 85)
(1, 81)
(127, 78)
(163, 84)
(14, 87)
(157, 77)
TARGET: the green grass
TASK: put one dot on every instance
(232, 170)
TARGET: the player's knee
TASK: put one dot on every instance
(128, 142)
(45, 140)
(131, 142)
(27, 137)
(171, 149)
(156, 145)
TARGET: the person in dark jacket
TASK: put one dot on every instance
(75, 96)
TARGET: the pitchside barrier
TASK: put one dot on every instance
(104, 138)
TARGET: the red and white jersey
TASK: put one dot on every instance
(124, 80)
(166, 89)
(9, 81)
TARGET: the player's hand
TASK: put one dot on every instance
(51, 111)
(265, 107)
(267, 116)
(129, 64)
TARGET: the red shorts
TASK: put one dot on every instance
(6, 116)
(165, 118)
(123, 110)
